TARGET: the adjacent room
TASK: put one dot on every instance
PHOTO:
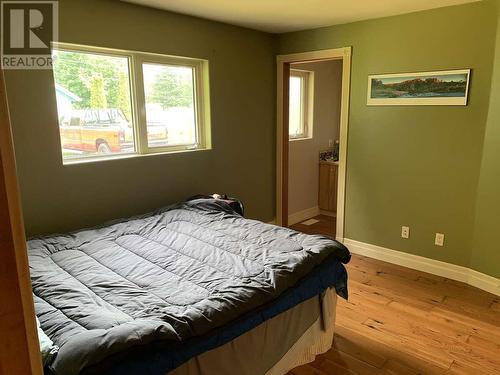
(315, 101)
(250, 187)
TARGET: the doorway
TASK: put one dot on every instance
(311, 165)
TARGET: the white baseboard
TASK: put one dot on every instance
(297, 217)
(485, 282)
(435, 267)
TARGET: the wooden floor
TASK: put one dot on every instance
(401, 321)
(326, 226)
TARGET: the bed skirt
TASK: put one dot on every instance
(288, 340)
(318, 339)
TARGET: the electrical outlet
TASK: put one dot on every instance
(439, 239)
(405, 232)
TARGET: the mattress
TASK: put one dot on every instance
(146, 294)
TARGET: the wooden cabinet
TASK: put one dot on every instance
(328, 182)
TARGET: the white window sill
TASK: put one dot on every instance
(299, 139)
(100, 159)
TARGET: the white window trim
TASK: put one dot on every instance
(138, 100)
(307, 78)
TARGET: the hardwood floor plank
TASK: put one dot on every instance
(389, 352)
(476, 357)
(360, 294)
(405, 346)
(478, 310)
(492, 346)
(433, 324)
(357, 350)
(384, 289)
(326, 226)
(306, 370)
(394, 367)
(475, 326)
(464, 368)
(330, 367)
(418, 343)
(495, 305)
(347, 362)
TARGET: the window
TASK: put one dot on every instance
(112, 102)
(169, 92)
(300, 104)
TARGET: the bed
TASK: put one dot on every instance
(193, 288)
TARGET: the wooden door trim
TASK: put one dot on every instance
(284, 139)
(20, 353)
(282, 61)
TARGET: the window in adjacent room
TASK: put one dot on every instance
(300, 104)
(113, 102)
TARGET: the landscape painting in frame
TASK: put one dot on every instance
(426, 88)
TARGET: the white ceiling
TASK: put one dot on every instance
(279, 16)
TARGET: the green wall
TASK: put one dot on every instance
(59, 198)
(416, 166)
(486, 247)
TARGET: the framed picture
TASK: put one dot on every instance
(449, 87)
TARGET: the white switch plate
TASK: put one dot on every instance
(439, 239)
(405, 232)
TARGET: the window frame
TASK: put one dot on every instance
(307, 103)
(138, 100)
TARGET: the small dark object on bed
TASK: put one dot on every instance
(234, 203)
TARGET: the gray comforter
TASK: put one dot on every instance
(170, 275)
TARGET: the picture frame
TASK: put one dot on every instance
(447, 87)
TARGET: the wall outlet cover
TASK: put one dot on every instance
(439, 239)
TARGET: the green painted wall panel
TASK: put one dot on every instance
(60, 198)
(416, 166)
(486, 246)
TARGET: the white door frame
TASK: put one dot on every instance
(343, 54)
